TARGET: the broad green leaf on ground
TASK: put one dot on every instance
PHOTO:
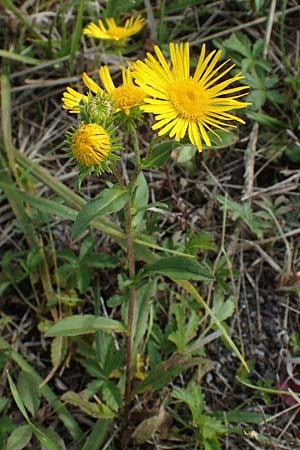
(84, 324)
(179, 268)
(19, 438)
(109, 201)
(29, 392)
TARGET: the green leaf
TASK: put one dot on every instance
(148, 427)
(21, 58)
(101, 261)
(77, 32)
(61, 411)
(158, 155)
(109, 201)
(243, 211)
(186, 331)
(82, 279)
(226, 140)
(242, 416)
(43, 439)
(42, 204)
(19, 438)
(58, 350)
(179, 268)
(84, 324)
(223, 309)
(142, 310)
(164, 372)
(292, 151)
(240, 43)
(29, 392)
(3, 403)
(266, 120)
(186, 154)
(193, 397)
(211, 427)
(6, 426)
(97, 410)
(202, 241)
(140, 201)
(112, 395)
(257, 97)
(211, 444)
(97, 436)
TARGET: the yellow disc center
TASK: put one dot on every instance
(117, 33)
(127, 96)
(189, 98)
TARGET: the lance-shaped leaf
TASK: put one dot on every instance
(109, 201)
(84, 324)
(180, 268)
(158, 155)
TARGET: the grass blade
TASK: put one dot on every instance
(44, 440)
(58, 407)
(77, 32)
(24, 59)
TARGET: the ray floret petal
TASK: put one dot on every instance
(189, 105)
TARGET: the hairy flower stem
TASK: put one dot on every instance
(131, 304)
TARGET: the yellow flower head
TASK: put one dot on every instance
(123, 97)
(90, 145)
(114, 32)
(188, 104)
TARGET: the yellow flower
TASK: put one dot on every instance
(114, 32)
(90, 145)
(71, 100)
(188, 104)
(123, 97)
